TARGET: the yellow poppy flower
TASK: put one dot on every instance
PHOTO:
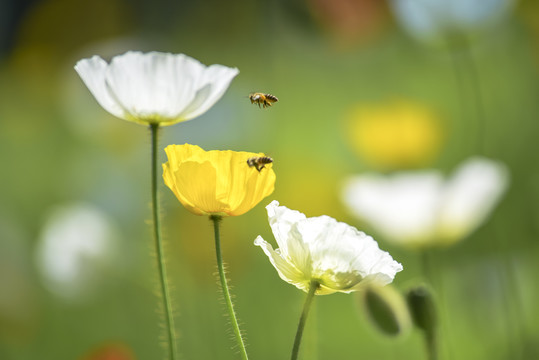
(395, 135)
(216, 182)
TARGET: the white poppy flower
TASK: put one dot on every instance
(336, 255)
(155, 87)
(431, 19)
(422, 208)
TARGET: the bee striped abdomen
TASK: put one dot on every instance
(262, 99)
(259, 162)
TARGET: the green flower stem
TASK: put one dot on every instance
(154, 130)
(232, 315)
(432, 277)
(431, 341)
(469, 85)
(310, 296)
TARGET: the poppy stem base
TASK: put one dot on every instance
(216, 219)
(306, 307)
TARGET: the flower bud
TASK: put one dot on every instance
(386, 309)
(422, 308)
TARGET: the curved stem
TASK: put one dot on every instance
(310, 296)
(154, 130)
(222, 277)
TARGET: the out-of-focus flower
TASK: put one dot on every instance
(216, 182)
(397, 135)
(155, 87)
(386, 308)
(110, 351)
(349, 21)
(77, 244)
(335, 255)
(432, 20)
(422, 209)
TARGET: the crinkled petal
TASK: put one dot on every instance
(92, 72)
(335, 254)
(286, 271)
(297, 251)
(342, 256)
(281, 220)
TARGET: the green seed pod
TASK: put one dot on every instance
(422, 308)
(386, 309)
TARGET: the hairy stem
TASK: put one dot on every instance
(154, 130)
(226, 292)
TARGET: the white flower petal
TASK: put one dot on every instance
(92, 72)
(335, 254)
(420, 209)
(158, 87)
(286, 271)
(470, 195)
(403, 207)
(153, 85)
(281, 220)
(213, 84)
(339, 248)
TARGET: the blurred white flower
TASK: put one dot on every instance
(76, 245)
(432, 19)
(422, 208)
(336, 255)
(155, 87)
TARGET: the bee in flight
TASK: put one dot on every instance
(259, 162)
(262, 99)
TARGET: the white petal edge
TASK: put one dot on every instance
(286, 271)
(92, 72)
(163, 87)
(215, 82)
(471, 194)
(339, 247)
(281, 219)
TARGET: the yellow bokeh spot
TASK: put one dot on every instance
(395, 135)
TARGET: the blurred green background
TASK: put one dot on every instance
(322, 59)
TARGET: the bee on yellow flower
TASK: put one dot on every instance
(259, 162)
(216, 182)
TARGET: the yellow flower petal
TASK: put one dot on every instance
(216, 182)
